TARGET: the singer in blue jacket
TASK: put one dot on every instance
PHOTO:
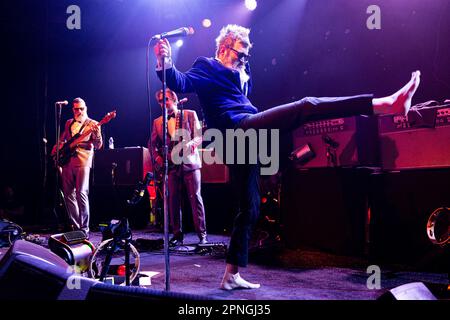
(222, 84)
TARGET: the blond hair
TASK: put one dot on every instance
(230, 34)
(79, 100)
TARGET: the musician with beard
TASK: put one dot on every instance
(75, 173)
(223, 84)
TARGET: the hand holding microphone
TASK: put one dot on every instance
(162, 47)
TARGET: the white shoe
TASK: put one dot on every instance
(234, 281)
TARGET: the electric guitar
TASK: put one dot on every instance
(68, 149)
(159, 170)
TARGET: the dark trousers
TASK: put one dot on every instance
(245, 186)
(291, 115)
(245, 178)
(192, 181)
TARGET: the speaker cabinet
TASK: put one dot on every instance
(29, 271)
(108, 292)
(121, 167)
(215, 172)
(325, 209)
(409, 291)
(420, 140)
(353, 140)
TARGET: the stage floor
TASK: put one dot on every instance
(301, 274)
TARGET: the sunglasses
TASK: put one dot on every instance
(161, 101)
(241, 55)
(81, 109)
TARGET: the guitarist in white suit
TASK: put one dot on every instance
(187, 173)
(75, 172)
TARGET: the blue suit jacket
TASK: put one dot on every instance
(223, 101)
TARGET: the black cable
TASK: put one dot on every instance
(44, 156)
(150, 144)
(437, 48)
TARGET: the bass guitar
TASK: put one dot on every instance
(68, 149)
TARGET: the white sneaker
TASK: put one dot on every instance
(234, 281)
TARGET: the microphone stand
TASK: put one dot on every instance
(330, 151)
(166, 165)
(165, 180)
(181, 172)
(59, 197)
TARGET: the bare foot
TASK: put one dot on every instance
(235, 281)
(399, 102)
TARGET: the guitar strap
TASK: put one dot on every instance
(179, 123)
(82, 126)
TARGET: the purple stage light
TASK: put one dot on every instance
(206, 23)
(179, 43)
(251, 4)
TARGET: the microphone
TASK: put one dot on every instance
(180, 32)
(184, 100)
(64, 103)
(139, 192)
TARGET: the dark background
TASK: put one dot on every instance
(301, 48)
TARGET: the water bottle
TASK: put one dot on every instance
(111, 143)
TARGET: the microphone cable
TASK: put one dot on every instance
(150, 144)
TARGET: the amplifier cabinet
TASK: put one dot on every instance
(214, 172)
(121, 167)
(354, 141)
(416, 141)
